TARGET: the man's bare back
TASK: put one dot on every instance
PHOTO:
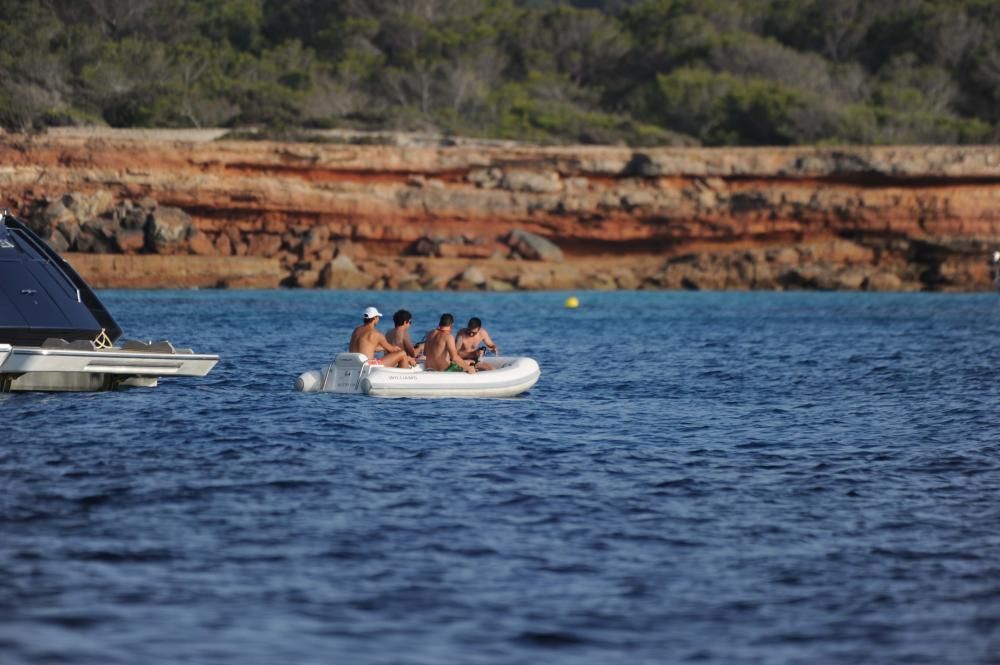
(400, 335)
(442, 354)
(401, 338)
(366, 339)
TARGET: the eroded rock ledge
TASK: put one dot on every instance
(457, 216)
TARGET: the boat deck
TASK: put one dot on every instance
(79, 367)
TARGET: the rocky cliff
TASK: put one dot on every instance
(421, 214)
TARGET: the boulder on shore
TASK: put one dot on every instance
(533, 247)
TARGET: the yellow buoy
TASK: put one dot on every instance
(572, 302)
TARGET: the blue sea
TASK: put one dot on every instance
(697, 477)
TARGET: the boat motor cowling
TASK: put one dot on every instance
(309, 382)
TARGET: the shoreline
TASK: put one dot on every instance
(418, 212)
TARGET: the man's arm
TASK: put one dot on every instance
(408, 344)
(383, 343)
(489, 342)
(457, 358)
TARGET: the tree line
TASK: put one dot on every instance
(640, 72)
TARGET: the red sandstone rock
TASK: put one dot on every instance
(711, 203)
(315, 241)
(464, 251)
(223, 245)
(131, 241)
(332, 278)
(264, 244)
(307, 279)
(117, 271)
(201, 244)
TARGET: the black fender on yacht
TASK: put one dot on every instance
(41, 296)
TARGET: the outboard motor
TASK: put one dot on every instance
(309, 382)
(344, 375)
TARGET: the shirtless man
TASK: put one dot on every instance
(400, 335)
(366, 339)
(440, 349)
(468, 340)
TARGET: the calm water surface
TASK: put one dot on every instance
(712, 478)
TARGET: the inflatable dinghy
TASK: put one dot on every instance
(352, 373)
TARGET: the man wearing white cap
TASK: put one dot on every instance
(366, 339)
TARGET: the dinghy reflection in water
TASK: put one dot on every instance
(56, 335)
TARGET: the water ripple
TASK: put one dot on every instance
(808, 478)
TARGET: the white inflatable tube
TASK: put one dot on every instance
(351, 373)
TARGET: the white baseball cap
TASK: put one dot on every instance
(371, 313)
